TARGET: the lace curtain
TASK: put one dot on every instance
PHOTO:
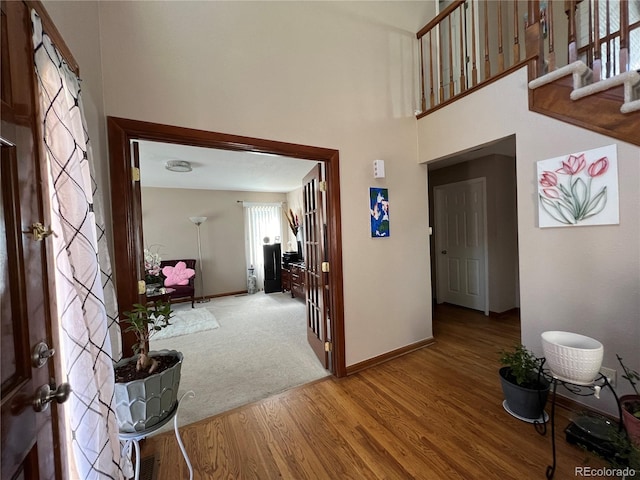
(261, 220)
(84, 294)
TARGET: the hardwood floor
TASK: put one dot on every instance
(435, 413)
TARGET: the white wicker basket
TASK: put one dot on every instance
(572, 357)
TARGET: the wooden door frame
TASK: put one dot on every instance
(124, 202)
(438, 240)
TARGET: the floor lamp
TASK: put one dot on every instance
(199, 221)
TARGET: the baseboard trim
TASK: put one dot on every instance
(506, 313)
(576, 407)
(385, 357)
(228, 294)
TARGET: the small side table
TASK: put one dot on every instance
(135, 437)
(163, 295)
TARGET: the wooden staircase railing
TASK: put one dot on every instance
(474, 42)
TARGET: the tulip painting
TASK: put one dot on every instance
(579, 189)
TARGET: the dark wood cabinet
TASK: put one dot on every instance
(285, 277)
(292, 275)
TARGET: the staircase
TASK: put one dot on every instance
(573, 93)
(610, 106)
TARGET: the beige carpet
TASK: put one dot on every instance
(259, 349)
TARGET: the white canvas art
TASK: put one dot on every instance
(579, 189)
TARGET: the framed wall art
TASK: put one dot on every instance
(379, 211)
(579, 189)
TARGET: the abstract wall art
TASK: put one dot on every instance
(379, 211)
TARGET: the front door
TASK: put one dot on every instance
(460, 225)
(315, 278)
(29, 438)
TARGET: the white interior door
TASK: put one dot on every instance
(461, 245)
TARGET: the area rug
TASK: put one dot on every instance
(188, 321)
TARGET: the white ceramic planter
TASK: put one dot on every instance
(141, 404)
(572, 357)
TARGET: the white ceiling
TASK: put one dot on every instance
(215, 169)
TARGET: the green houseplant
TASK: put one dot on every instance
(147, 384)
(144, 321)
(525, 391)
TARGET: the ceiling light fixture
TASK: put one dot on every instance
(178, 166)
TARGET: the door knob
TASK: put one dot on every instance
(44, 395)
(444, 252)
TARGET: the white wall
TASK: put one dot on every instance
(581, 279)
(168, 231)
(333, 74)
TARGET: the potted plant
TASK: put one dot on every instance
(525, 389)
(630, 404)
(146, 388)
(626, 454)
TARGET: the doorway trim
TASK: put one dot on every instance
(127, 219)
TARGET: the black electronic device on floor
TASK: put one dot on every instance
(596, 433)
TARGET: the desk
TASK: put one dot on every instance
(135, 437)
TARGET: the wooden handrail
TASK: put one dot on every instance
(438, 18)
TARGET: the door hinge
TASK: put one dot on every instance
(135, 174)
(322, 185)
(325, 267)
(327, 346)
(142, 287)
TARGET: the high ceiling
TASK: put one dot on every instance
(214, 169)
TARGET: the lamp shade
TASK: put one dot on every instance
(198, 220)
